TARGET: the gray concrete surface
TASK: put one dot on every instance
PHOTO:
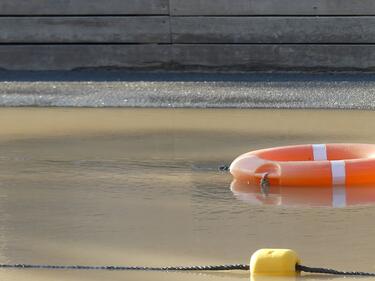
(200, 90)
(78, 29)
(241, 35)
(266, 29)
(236, 57)
(74, 56)
(272, 7)
(84, 7)
(252, 57)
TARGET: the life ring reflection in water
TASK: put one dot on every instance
(308, 196)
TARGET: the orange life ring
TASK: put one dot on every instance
(308, 165)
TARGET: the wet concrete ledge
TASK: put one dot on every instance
(193, 90)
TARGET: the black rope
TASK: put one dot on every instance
(224, 168)
(303, 268)
(265, 184)
(299, 268)
(135, 268)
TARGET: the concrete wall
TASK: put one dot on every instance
(187, 34)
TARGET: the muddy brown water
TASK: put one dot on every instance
(141, 187)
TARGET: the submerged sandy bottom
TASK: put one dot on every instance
(141, 187)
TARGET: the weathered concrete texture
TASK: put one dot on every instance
(67, 57)
(129, 29)
(273, 57)
(272, 7)
(273, 29)
(189, 56)
(84, 7)
(156, 29)
(119, 89)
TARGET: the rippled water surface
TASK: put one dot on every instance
(141, 187)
